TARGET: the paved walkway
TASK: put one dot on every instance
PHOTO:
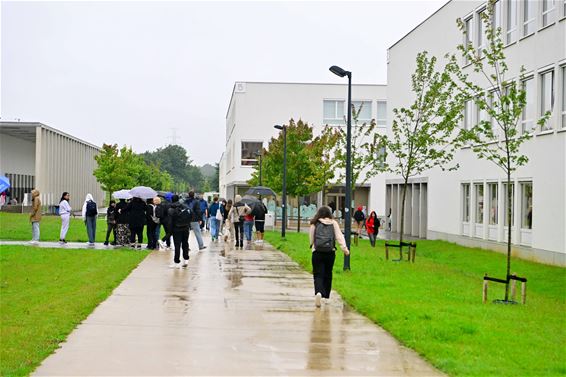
(229, 313)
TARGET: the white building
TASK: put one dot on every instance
(33, 155)
(467, 206)
(255, 107)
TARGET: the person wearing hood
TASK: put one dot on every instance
(65, 213)
(196, 218)
(180, 221)
(372, 226)
(122, 229)
(35, 216)
(136, 211)
(324, 233)
(236, 217)
(89, 214)
(360, 218)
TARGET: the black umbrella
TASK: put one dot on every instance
(250, 200)
(260, 190)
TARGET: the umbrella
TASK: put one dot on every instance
(122, 194)
(143, 192)
(4, 183)
(251, 201)
(260, 190)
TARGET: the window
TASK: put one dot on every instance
(333, 111)
(492, 203)
(529, 12)
(526, 205)
(468, 115)
(249, 149)
(381, 156)
(505, 204)
(564, 8)
(511, 21)
(546, 96)
(528, 115)
(468, 30)
(564, 95)
(466, 202)
(381, 113)
(479, 203)
(364, 107)
(548, 12)
(496, 17)
(480, 34)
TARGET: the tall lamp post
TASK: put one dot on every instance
(284, 204)
(347, 214)
(258, 154)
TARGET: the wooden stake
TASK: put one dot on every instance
(523, 292)
(386, 252)
(513, 288)
(484, 291)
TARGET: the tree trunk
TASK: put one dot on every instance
(509, 207)
(403, 214)
(299, 214)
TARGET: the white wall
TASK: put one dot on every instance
(16, 155)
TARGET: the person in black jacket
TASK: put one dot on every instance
(122, 229)
(111, 216)
(136, 216)
(194, 205)
(152, 222)
(180, 225)
(165, 220)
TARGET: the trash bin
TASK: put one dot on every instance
(270, 220)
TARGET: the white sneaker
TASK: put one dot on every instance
(32, 242)
(175, 265)
(317, 299)
(185, 263)
(161, 244)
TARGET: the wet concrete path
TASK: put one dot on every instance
(229, 313)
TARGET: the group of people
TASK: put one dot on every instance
(371, 223)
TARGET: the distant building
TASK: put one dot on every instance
(33, 155)
(255, 107)
(468, 206)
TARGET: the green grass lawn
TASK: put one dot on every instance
(45, 293)
(434, 306)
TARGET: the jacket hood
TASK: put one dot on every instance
(326, 221)
(237, 198)
(34, 193)
(88, 197)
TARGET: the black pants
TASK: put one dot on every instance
(181, 239)
(150, 231)
(322, 264)
(372, 238)
(239, 230)
(111, 228)
(136, 231)
(167, 237)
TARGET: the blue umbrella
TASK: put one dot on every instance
(4, 183)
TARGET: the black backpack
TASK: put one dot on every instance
(91, 208)
(183, 216)
(324, 239)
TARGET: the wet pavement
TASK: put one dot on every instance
(230, 312)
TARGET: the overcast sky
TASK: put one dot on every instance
(129, 72)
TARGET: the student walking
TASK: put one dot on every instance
(214, 222)
(196, 218)
(360, 218)
(122, 228)
(165, 220)
(35, 216)
(236, 216)
(248, 227)
(111, 216)
(324, 232)
(65, 214)
(136, 220)
(181, 220)
(228, 229)
(259, 212)
(152, 223)
(372, 226)
(89, 214)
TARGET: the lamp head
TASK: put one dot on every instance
(338, 71)
(279, 127)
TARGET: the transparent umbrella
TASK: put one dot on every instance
(143, 192)
(122, 194)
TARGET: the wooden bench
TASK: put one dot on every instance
(410, 254)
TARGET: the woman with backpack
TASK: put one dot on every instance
(65, 213)
(324, 232)
(236, 216)
(89, 214)
(372, 226)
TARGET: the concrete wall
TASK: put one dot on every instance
(545, 49)
(17, 155)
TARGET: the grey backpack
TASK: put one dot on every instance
(324, 239)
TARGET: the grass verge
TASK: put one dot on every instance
(434, 306)
(46, 293)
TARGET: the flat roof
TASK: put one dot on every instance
(27, 131)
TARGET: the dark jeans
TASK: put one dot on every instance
(239, 230)
(181, 239)
(322, 264)
(151, 239)
(372, 238)
(167, 237)
(136, 231)
(111, 228)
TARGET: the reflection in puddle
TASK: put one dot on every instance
(319, 355)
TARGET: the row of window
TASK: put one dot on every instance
(534, 108)
(516, 15)
(334, 111)
(526, 214)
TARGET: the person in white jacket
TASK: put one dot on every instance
(89, 214)
(65, 213)
(324, 233)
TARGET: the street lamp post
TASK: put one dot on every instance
(347, 214)
(284, 204)
(258, 154)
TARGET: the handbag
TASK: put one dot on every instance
(219, 216)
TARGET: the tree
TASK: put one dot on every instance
(323, 159)
(214, 180)
(499, 138)
(423, 135)
(174, 160)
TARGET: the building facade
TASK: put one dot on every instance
(468, 205)
(33, 155)
(255, 107)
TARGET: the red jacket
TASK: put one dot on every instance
(371, 227)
